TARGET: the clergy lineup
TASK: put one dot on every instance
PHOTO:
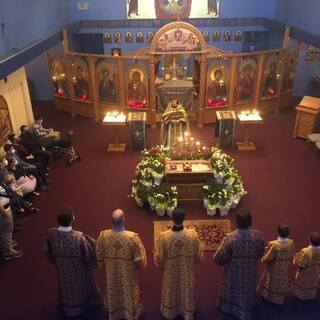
(177, 252)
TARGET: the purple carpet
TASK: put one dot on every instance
(282, 179)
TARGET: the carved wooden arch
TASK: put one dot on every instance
(175, 25)
(5, 121)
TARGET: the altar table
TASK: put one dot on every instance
(189, 183)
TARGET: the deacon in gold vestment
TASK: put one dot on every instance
(278, 258)
(307, 282)
(175, 123)
(122, 254)
(177, 252)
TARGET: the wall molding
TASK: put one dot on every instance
(156, 23)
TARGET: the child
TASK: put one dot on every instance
(278, 257)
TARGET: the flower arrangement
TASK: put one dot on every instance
(224, 190)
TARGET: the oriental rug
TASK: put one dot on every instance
(210, 232)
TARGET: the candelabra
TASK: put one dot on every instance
(187, 148)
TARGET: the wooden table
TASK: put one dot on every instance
(308, 117)
(189, 183)
(115, 146)
(248, 123)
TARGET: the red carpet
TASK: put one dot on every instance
(282, 179)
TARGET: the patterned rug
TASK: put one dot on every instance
(210, 232)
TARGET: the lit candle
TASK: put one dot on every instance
(198, 143)
(186, 133)
(191, 138)
(180, 139)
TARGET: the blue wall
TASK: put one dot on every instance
(29, 20)
(116, 9)
(301, 14)
(235, 46)
(304, 15)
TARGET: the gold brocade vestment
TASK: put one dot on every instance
(174, 123)
(307, 281)
(278, 258)
(177, 253)
(122, 254)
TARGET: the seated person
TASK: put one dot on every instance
(17, 202)
(35, 168)
(33, 146)
(51, 139)
(27, 182)
(24, 154)
(175, 123)
(3, 168)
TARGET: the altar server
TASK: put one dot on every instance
(73, 254)
(177, 252)
(307, 281)
(278, 257)
(122, 254)
(239, 253)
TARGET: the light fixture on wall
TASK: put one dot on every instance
(82, 5)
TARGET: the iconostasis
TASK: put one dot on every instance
(178, 62)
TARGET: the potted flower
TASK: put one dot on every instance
(237, 192)
(161, 204)
(138, 192)
(224, 196)
(157, 170)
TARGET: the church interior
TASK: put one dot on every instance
(209, 106)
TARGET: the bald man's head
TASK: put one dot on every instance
(118, 217)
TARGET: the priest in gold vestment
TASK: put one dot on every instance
(122, 254)
(177, 252)
(307, 279)
(278, 258)
(174, 123)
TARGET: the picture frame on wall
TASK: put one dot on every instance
(128, 37)
(238, 36)
(206, 35)
(150, 36)
(117, 37)
(227, 35)
(116, 52)
(216, 35)
(107, 38)
(310, 54)
(139, 37)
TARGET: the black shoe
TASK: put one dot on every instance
(14, 243)
(33, 210)
(15, 255)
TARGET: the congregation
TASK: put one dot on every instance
(24, 174)
(177, 252)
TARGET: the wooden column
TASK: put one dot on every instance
(233, 82)
(122, 85)
(260, 75)
(70, 84)
(280, 80)
(65, 42)
(286, 38)
(93, 86)
(202, 89)
(153, 93)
